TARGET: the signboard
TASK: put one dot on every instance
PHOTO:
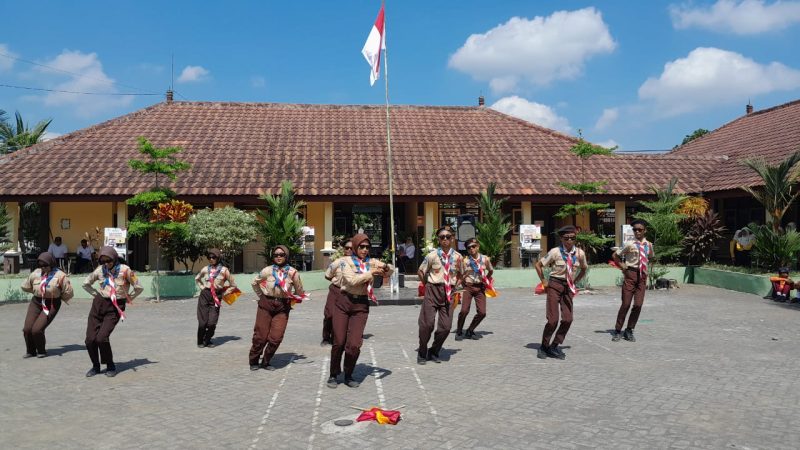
(117, 238)
(627, 234)
(530, 237)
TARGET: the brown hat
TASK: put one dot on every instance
(215, 252)
(284, 248)
(48, 258)
(109, 252)
(357, 240)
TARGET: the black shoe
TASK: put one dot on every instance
(541, 353)
(473, 336)
(210, 344)
(332, 383)
(351, 383)
(549, 351)
(434, 357)
(459, 335)
(557, 352)
(421, 361)
(254, 367)
(325, 343)
(111, 373)
(628, 335)
(615, 336)
(92, 372)
(42, 355)
(201, 345)
(268, 367)
(28, 355)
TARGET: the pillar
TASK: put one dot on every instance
(12, 209)
(122, 215)
(619, 221)
(431, 219)
(327, 232)
(527, 213)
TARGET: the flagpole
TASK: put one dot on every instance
(389, 154)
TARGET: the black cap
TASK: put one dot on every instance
(567, 229)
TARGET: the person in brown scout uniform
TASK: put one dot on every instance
(49, 286)
(561, 287)
(333, 274)
(210, 300)
(108, 307)
(352, 309)
(274, 286)
(440, 271)
(636, 254)
(476, 268)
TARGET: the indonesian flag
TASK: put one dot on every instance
(376, 41)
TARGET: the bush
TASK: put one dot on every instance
(701, 236)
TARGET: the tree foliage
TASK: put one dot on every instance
(19, 135)
(694, 135)
(173, 237)
(663, 222)
(779, 188)
(703, 232)
(494, 225)
(280, 222)
(771, 249)
(694, 207)
(228, 229)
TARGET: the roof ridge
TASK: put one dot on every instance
(319, 105)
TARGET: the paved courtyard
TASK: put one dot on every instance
(711, 369)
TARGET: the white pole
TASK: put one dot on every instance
(395, 287)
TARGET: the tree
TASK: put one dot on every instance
(663, 222)
(701, 236)
(588, 240)
(173, 237)
(280, 222)
(228, 229)
(695, 134)
(159, 162)
(779, 190)
(493, 226)
(18, 136)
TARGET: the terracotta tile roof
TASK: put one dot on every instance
(245, 149)
(772, 134)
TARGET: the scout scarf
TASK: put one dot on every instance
(478, 269)
(570, 258)
(280, 274)
(644, 250)
(212, 275)
(109, 279)
(363, 267)
(43, 290)
(446, 263)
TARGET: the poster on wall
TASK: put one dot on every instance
(530, 237)
(117, 238)
(627, 234)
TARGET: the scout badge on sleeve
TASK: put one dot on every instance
(232, 296)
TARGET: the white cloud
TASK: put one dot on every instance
(709, 77)
(738, 16)
(608, 144)
(533, 112)
(6, 63)
(609, 116)
(538, 50)
(50, 135)
(193, 73)
(257, 82)
(85, 75)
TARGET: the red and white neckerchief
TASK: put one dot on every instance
(111, 282)
(212, 275)
(45, 281)
(477, 267)
(363, 267)
(446, 262)
(280, 281)
(570, 258)
(644, 249)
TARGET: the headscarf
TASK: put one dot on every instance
(215, 252)
(109, 252)
(285, 250)
(48, 258)
(357, 240)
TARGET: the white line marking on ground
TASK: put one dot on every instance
(604, 348)
(422, 388)
(315, 418)
(272, 403)
(376, 375)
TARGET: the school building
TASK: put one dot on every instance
(443, 157)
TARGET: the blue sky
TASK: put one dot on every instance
(641, 74)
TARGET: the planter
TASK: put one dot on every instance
(735, 281)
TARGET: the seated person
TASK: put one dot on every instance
(781, 285)
(59, 251)
(84, 262)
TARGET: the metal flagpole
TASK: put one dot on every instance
(394, 284)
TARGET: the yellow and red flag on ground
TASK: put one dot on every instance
(379, 415)
(232, 296)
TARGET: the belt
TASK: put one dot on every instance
(475, 284)
(560, 280)
(357, 297)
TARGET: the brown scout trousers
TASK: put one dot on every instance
(36, 322)
(434, 304)
(103, 317)
(478, 292)
(327, 318)
(349, 320)
(558, 296)
(633, 288)
(271, 320)
(207, 315)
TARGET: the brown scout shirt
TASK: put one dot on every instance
(264, 283)
(203, 280)
(59, 286)
(629, 253)
(432, 267)
(124, 280)
(470, 277)
(334, 271)
(559, 266)
(355, 283)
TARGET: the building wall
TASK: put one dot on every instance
(316, 219)
(83, 217)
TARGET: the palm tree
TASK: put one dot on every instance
(13, 138)
(280, 223)
(493, 225)
(779, 191)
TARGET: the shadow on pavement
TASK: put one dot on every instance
(446, 353)
(224, 339)
(362, 371)
(281, 360)
(65, 349)
(133, 364)
(536, 345)
(608, 331)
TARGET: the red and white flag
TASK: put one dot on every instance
(376, 41)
